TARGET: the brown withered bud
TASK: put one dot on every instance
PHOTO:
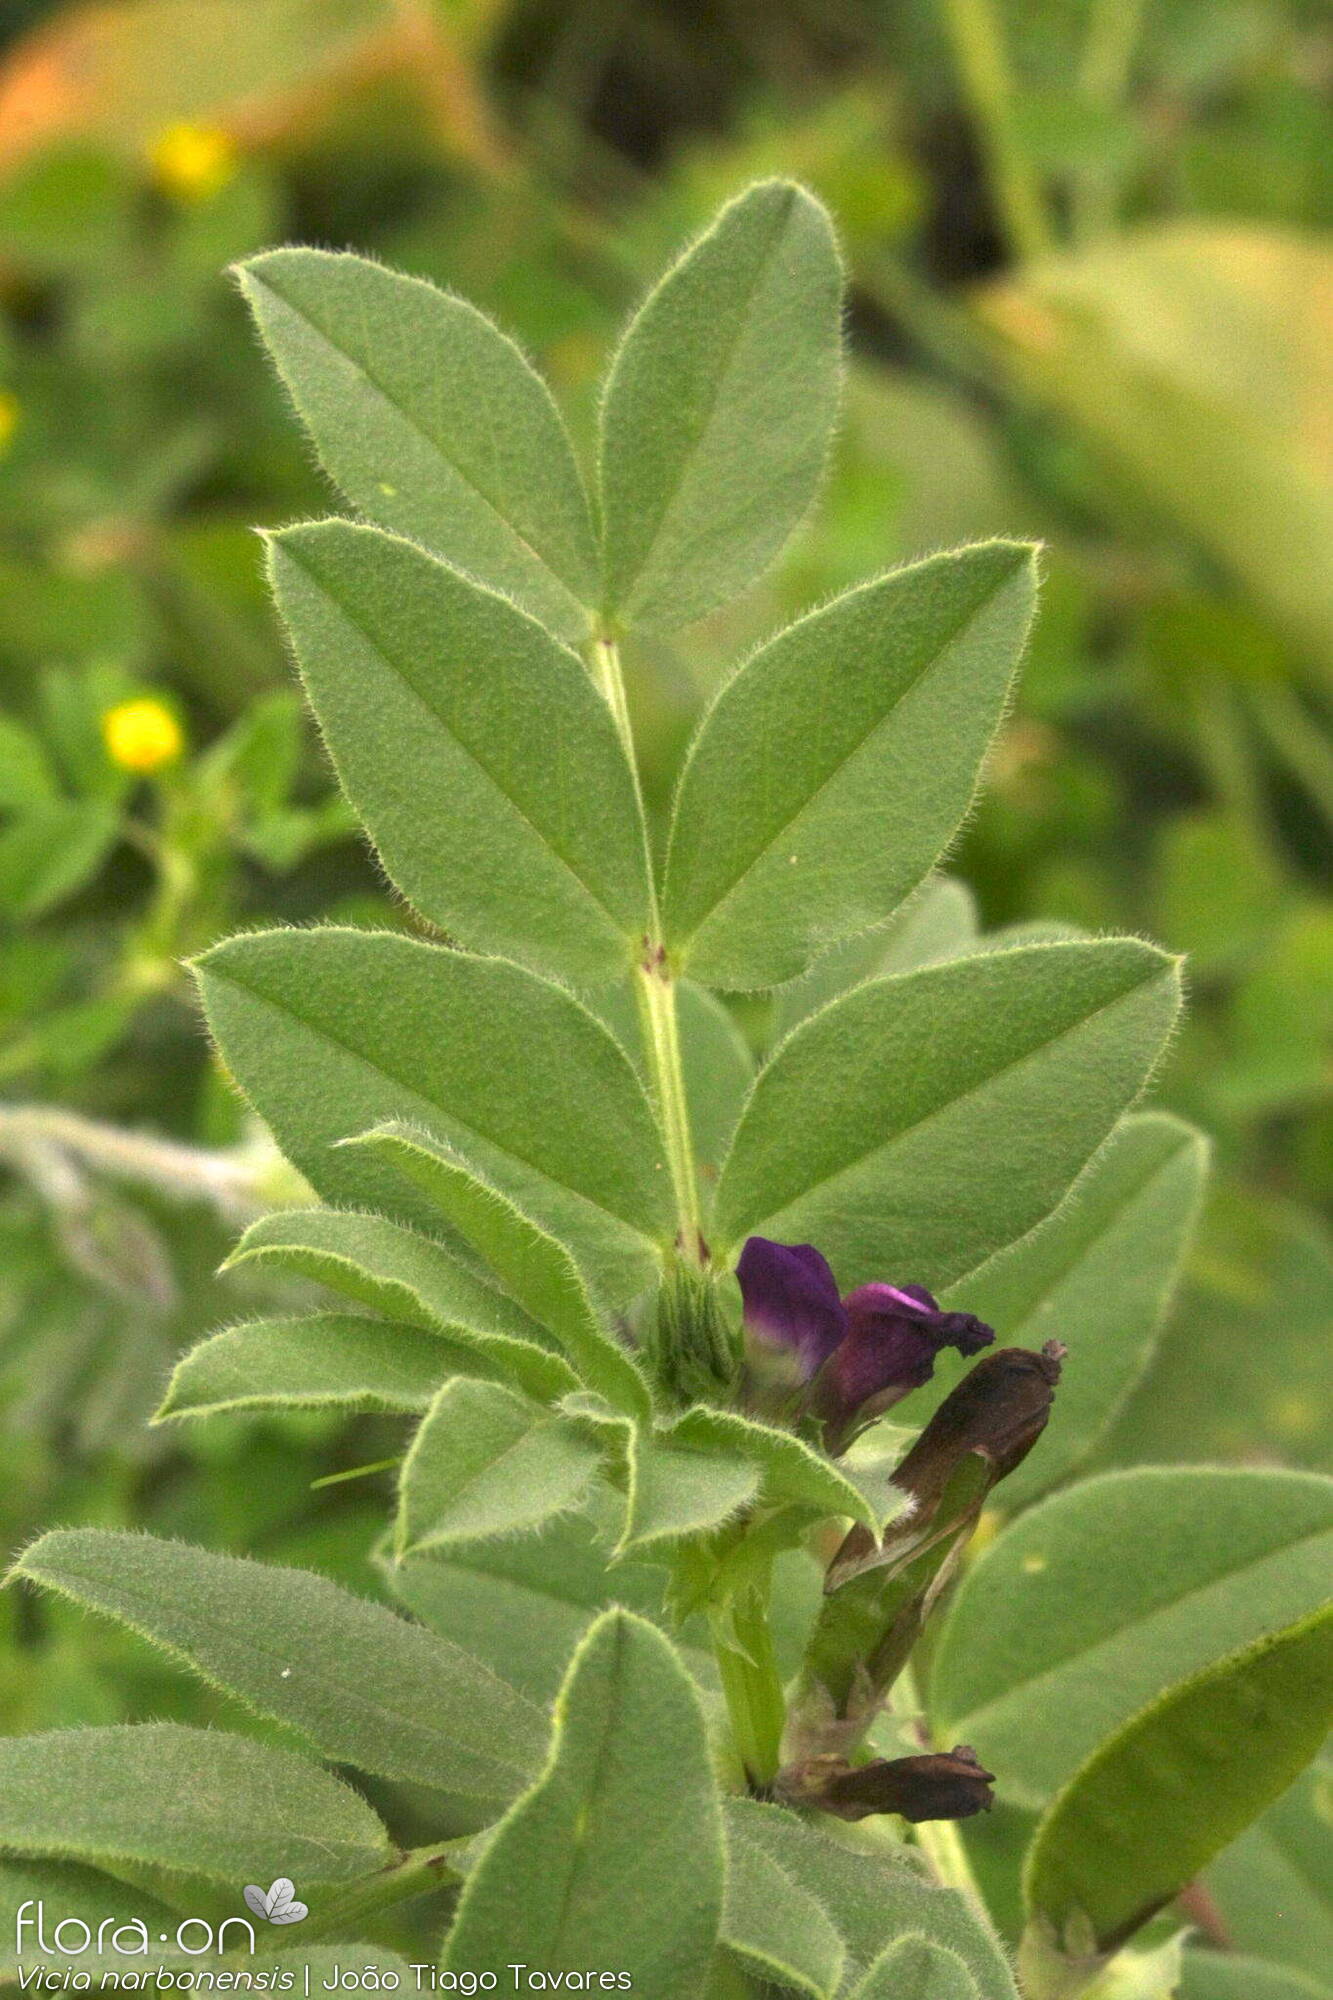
(999, 1409)
(935, 1785)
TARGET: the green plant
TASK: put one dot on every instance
(544, 1157)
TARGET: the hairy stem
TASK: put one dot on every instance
(984, 67)
(655, 995)
(751, 1683)
(414, 1873)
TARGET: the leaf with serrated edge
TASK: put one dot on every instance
(674, 1492)
(614, 1858)
(343, 1361)
(384, 1266)
(916, 1969)
(718, 409)
(197, 1799)
(329, 1032)
(918, 1124)
(777, 1929)
(483, 762)
(871, 1899)
(365, 1687)
(1099, 1597)
(535, 1268)
(1157, 1801)
(486, 1462)
(792, 1470)
(432, 423)
(787, 837)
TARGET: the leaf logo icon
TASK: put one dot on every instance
(277, 1904)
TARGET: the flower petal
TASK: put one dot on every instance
(790, 1299)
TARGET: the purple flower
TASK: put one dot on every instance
(873, 1347)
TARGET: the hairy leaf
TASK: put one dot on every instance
(432, 423)
(483, 761)
(718, 409)
(922, 1122)
(535, 1268)
(486, 1462)
(1099, 1598)
(835, 766)
(326, 1360)
(1157, 1801)
(196, 1799)
(614, 1859)
(331, 1031)
(365, 1687)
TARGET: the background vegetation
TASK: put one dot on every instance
(1092, 295)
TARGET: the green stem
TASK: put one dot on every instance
(655, 994)
(751, 1683)
(414, 1873)
(984, 67)
(655, 998)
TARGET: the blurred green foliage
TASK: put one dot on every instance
(1092, 293)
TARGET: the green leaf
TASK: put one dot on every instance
(483, 761)
(51, 852)
(68, 1891)
(718, 409)
(674, 1491)
(549, 1586)
(836, 765)
(1154, 1804)
(915, 1969)
(365, 1687)
(1102, 1596)
(778, 1930)
(324, 1361)
(485, 1462)
(432, 423)
(26, 777)
(195, 1799)
(922, 1122)
(936, 923)
(417, 1282)
(1274, 1886)
(1225, 1975)
(792, 1472)
(331, 1031)
(871, 1899)
(1098, 1275)
(536, 1269)
(381, 1265)
(614, 1859)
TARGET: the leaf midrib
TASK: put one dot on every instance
(467, 1490)
(546, 840)
(723, 376)
(418, 429)
(884, 1144)
(881, 722)
(340, 1691)
(1140, 1622)
(322, 1033)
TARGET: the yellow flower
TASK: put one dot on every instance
(192, 162)
(142, 735)
(9, 417)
